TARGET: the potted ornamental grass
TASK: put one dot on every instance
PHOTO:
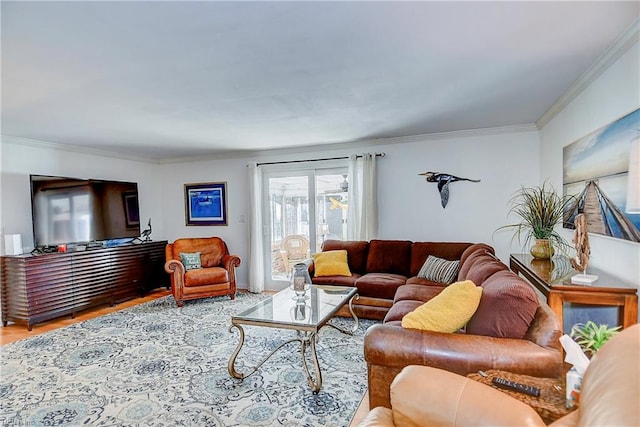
(591, 336)
(540, 210)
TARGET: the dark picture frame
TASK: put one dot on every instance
(131, 209)
(205, 203)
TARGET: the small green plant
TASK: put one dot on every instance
(591, 336)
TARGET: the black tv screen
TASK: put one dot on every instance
(73, 210)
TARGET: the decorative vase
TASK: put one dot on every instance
(300, 281)
(542, 249)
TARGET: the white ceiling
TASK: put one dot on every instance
(161, 80)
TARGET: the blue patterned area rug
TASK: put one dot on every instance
(159, 365)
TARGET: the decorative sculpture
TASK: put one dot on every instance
(580, 262)
(581, 241)
(145, 236)
(443, 181)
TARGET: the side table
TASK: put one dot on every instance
(553, 279)
(550, 405)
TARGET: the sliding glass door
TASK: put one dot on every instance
(303, 207)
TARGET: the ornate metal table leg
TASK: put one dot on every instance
(354, 328)
(232, 361)
(310, 341)
(353, 314)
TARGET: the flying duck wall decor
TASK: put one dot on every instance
(443, 181)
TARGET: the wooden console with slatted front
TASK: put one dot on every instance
(36, 288)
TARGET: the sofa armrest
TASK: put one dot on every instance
(176, 269)
(395, 346)
(421, 395)
(389, 348)
(230, 261)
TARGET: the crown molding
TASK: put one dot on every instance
(618, 48)
(235, 154)
(499, 130)
(354, 145)
(6, 139)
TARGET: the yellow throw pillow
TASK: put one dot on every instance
(331, 263)
(448, 311)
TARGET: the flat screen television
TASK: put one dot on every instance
(73, 210)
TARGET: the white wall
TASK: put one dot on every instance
(236, 233)
(612, 95)
(19, 160)
(409, 206)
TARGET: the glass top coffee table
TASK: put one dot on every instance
(306, 316)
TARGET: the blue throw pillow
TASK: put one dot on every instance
(191, 261)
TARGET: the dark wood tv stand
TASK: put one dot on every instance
(36, 288)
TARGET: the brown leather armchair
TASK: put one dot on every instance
(422, 395)
(216, 277)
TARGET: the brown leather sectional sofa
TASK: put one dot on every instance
(380, 267)
(511, 330)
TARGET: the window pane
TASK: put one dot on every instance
(305, 207)
(332, 204)
(289, 209)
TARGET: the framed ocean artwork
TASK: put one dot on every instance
(206, 203)
(602, 172)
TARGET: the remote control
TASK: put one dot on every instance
(511, 385)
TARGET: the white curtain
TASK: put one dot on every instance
(255, 263)
(362, 220)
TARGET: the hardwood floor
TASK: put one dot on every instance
(14, 332)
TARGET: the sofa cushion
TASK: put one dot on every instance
(467, 264)
(379, 285)
(416, 293)
(401, 309)
(191, 261)
(336, 280)
(389, 256)
(484, 267)
(206, 276)
(507, 307)
(447, 250)
(475, 248)
(439, 270)
(331, 263)
(448, 311)
(212, 249)
(357, 252)
(422, 282)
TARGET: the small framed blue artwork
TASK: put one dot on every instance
(206, 203)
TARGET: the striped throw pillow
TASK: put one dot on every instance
(439, 270)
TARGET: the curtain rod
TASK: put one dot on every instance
(314, 160)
